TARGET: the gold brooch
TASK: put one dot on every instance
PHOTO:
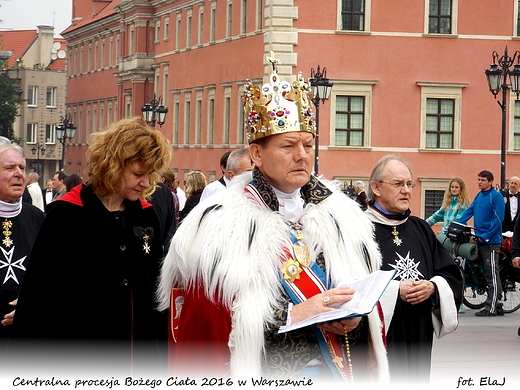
(397, 240)
(6, 225)
(291, 270)
(302, 254)
(146, 247)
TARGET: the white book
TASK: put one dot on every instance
(368, 290)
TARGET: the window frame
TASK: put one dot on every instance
(53, 97)
(454, 18)
(366, 20)
(439, 115)
(33, 129)
(32, 97)
(361, 88)
(50, 134)
(438, 184)
(433, 90)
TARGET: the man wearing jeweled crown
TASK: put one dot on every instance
(270, 253)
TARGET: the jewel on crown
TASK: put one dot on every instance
(277, 107)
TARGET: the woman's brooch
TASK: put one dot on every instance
(144, 233)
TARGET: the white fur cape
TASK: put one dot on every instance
(214, 249)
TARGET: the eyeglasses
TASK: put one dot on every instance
(400, 184)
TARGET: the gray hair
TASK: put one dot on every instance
(6, 144)
(360, 184)
(378, 171)
(233, 162)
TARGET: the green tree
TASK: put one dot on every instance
(10, 101)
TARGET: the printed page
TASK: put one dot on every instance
(368, 291)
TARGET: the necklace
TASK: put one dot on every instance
(397, 240)
(6, 225)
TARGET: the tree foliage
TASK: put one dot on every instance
(9, 103)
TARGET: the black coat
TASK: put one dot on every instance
(90, 284)
(508, 224)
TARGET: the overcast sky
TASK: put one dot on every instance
(27, 14)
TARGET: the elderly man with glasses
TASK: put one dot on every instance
(426, 291)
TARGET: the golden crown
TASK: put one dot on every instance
(277, 107)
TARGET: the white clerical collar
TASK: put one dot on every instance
(290, 205)
(10, 210)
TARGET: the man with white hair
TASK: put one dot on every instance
(34, 189)
(361, 198)
(20, 224)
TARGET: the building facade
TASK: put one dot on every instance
(37, 60)
(408, 78)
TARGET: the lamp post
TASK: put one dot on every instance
(497, 81)
(154, 111)
(37, 149)
(65, 130)
(321, 88)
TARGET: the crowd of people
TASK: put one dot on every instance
(154, 279)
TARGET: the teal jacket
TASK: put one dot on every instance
(452, 213)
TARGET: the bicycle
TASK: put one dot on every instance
(472, 269)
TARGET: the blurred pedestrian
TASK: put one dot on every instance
(72, 181)
(194, 185)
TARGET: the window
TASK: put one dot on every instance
(432, 201)
(229, 20)
(440, 115)
(189, 26)
(350, 117)
(32, 96)
(353, 15)
(517, 18)
(176, 115)
(157, 31)
(211, 116)
(212, 22)
(516, 130)
(441, 107)
(198, 118)
(227, 116)
(243, 19)
(178, 31)
(350, 120)
(201, 25)
(32, 128)
(187, 120)
(440, 17)
(50, 134)
(259, 14)
(166, 28)
(51, 96)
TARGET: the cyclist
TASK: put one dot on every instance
(487, 210)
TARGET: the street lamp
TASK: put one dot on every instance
(321, 88)
(154, 111)
(38, 149)
(497, 80)
(65, 130)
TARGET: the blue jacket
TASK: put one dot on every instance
(487, 210)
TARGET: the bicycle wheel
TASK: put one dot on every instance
(475, 293)
(510, 287)
(511, 296)
(474, 298)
